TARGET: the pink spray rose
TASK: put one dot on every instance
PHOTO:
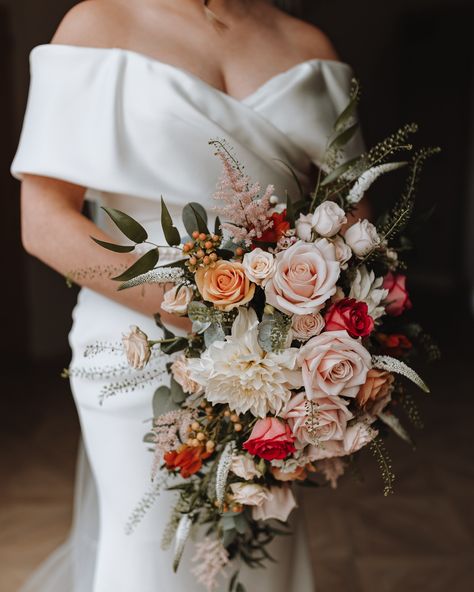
(397, 299)
(270, 439)
(333, 363)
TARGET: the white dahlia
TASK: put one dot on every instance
(367, 288)
(238, 372)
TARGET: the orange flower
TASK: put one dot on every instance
(375, 393)
(225, 285)
(188, 459)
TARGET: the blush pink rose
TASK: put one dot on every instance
(333, 363)
(330, 419)
(270, 439)
(356, 437)
(305, 277)
(397, 299)
(279, 504)
(306, 326)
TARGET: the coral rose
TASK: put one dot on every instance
(333, 363)
(305, 277)
(374, 395)
(397, 299)
(188, 459)
(351, 316)
(225, 285)
(270, 439)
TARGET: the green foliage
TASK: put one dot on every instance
(163, 401)
(127, 225)
(169, 230)
(273, 332)
(195, 218)
(384, 462)
(146, 263)
(113, 247)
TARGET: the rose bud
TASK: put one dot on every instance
(136, 347)
(328, 219)
(362, 238)
(270, 439)
(397, 299)
(349, 315)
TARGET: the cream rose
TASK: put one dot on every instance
(343, 251)
(304, 227)
(305, 277)
(225, 285)
(306, 326)
(249, 494)
(356, 437)
(330, 416)
(244, 467)
(176, 300)
(259, 266)
(333, 363)
(136, 348)
(328, 218)
(362, 238)
(279, 503)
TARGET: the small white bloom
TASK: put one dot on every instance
(244, 467)
(136, 347)
(304, 227)
(328, 218)
(362, 238)
(367, 288)
(259, 266)
(343, 250)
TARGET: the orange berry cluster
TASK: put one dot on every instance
(197, 437)
(202, 250)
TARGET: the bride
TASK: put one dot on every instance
(121, 108)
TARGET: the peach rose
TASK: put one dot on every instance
(225, 285)
(305, 277)
(374, 395)
(306, 326)
(180, 372)
(259, 266)
(279, 504)
(299, 474)
(333, 363)
(330, 417)
(177, 299)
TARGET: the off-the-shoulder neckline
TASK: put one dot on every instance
(156, 62)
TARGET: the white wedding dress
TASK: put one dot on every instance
(130, 129)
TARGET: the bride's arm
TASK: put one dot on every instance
(55, 231)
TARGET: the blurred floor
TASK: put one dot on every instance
(419, 540)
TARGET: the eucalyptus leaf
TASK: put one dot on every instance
(127, 225)
(228, 538)
(228, 522)
(217, 226)
(241, 524)
(340, 170)
(146, 263)
(149, 438)
(240, 588)
(195, 218)
(294, 175)
(213, 333)
(169, 230)
(197, 311)
(273, 332)
(177, 393)
(163, 402)
(290, 211)
(113, 247)
(344, 137)
(349, 111)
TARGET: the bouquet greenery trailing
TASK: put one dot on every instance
(300, 350)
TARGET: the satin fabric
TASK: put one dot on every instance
(130, 128)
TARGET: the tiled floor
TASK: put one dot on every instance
(419, 540)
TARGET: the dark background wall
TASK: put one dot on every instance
(415, 60)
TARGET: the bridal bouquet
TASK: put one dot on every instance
(300, 350)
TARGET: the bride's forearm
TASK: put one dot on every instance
(55, 231)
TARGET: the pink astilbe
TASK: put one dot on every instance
(247, 215)
(169, 430)
(211, 558)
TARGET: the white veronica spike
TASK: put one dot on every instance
(223, 469)
(395, 425)
(182, 534)
(160, 275)
(366, 179)
(393, 365)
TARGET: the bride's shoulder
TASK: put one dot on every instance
(95, 23)
(308, 39)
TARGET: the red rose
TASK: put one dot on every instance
(278, 229)
(349, 315)
(395, 345)
(188, 459)
(270, 439)
(397, 299)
